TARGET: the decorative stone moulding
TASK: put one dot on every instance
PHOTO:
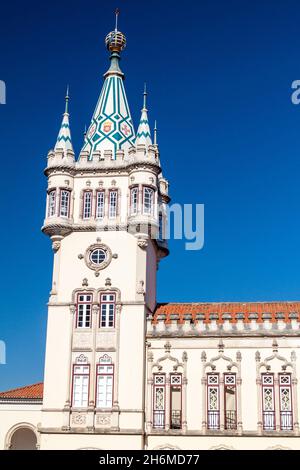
(98, 267)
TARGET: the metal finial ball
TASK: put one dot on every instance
(115, 41)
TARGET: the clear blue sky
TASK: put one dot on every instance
(219, 76)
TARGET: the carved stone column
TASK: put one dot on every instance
(204, 387)
(239, 394)
(167, 404)
(258, 392)
(184, 392)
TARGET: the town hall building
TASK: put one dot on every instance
(121, 370)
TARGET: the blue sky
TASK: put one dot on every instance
(219, 77)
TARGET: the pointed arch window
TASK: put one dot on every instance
(148, 206)
(52, 203)
(87, 204)
(134, 198)
(176, 401)
(100, 204)
(64, 203)
(113, 204)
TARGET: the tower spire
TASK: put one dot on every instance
(64, 140)
(155, 133)
(111, 127)
(143, 136)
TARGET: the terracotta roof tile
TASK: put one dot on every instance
(33, 392)
(178, 311)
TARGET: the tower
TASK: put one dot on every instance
(105, 216)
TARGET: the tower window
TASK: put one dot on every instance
(87, 204)
(161, 227)
(64, 203)
(113, 202)
(98, 256)
(84, 310)
(148, 201)
(100, 204)
(52, 203)
(134, 195)
(107, 309)
(105, 381)
(81, 379)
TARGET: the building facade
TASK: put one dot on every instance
(121, 371)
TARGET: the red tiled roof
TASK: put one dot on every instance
(33, 392)
(180, 311)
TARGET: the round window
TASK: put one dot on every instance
(98, 256)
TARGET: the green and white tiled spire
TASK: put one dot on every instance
(111, 127)
(64, 140)
(143, 134)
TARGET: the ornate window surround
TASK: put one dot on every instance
(212, 366)
(156, 368)
(265, 367)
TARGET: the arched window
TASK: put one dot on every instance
(100, 205)
(87, 204)
(64, 203)
(148, 206)
(134, 196)
(51, 203)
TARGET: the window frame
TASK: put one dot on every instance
(230, 374)
(87, 192)
(78, 303)
(73, 383)
(134, 191)
(291, 411)
(155, 386)
(113, 191)
(98, 365)
(52, 191)
(171, 406)
(263, 386)
(108, 302)
(151, 213)
(98, 192)
(68, 191)
(218, 411)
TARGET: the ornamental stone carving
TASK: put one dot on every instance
(79, 419)
(103, 420)
(102, 264)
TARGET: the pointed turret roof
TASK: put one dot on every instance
(143, 134)
(111, 126)
(64, 140)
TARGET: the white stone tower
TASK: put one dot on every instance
(106, 215)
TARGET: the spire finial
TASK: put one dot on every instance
(117, 17)
(67, 100)
(84, 132)
(155, 133)
(145, 96)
